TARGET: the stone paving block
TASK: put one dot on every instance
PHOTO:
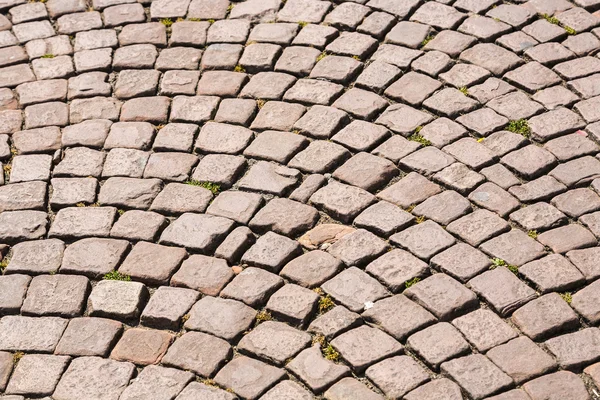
(514, 247)
(585, 302)
(21, 196)
(566, 238)
(274, 342)
(358, 248)
(545, 316)
(397, 376)
(117, 300)
(14, 287)
(208, 275)
(89, 337)
(354, 289)
(334, 322)
(582, 259)
(198, 352)
(484, 329)
(366, 171)
(37, 374)
(442, 296)
(6, 367)
(575, 350)
(94, 377)
(36, 257)
(552, 273)
(30, 334)
(183, 231)
(438, 343)
(424, 240)
(223, 318)
(559, 384)
(197, 389)
(252, 286)
(56, 295)
(411, 189)
(249, 385)
(365, 346)
(342, 201)
(235, 244)
(287, 388)
(443, 208)
(22, 225)
(154, 379)
(492, 286)
(538, 216)
(477, 375)
(361, 135)
(142, 346)
(522, 359)
(461, 262)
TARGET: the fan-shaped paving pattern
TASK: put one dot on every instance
(299, 199)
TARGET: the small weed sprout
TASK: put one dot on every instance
(464, 90)
(4, 264)
(325, 304)
(263, 316)
(302, 24)
(357, 58)
(330, 353)
(211, 21)
(417, 137)
(260, 103)
(520, 126)
(420, 219)
(166, 22)
(552, 20)
(120, 211)
(570, 31)
(17, 357)
(116, 276)
(195, 19)
(497, 262)
(428, 39)
(47, 56)
(410, 208)
(213, 187)
(412, 282)
(567, 296)
(239, 68)
(513, 268)
(321, 56)
(209, 382)
(532, 234)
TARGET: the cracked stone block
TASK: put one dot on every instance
(271, 252)
(539, 189)
(582, 259)
(223, 318)
(502, 290)
(285, 217)
(89, 337)
(198, 352)
(275, 146)
(293, 303)
(270, 178)
(319, 157)
(40, 334)
(484, 122)
(484, 329)
(329, 372)
(366, 171)
(403, 119)
(236, 205)
(37, 374)
(94, 377)
(334, 322)
(248, 377)
(56, 295)
(478, 227)
(397, 267)
(342, 201)
(443, 208)
(118, 300)
(515, 106)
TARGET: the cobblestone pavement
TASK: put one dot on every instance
(301, 199)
